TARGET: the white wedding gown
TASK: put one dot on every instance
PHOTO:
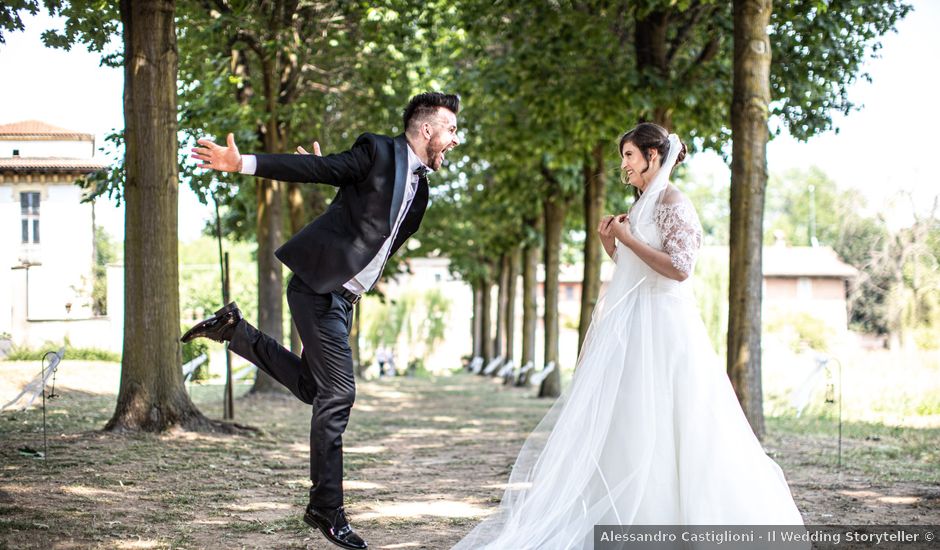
(650, 431)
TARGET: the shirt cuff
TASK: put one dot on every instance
(249, 165)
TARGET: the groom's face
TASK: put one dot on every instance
(442, 137)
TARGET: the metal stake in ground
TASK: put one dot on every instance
(54, 366)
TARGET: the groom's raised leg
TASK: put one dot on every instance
(270, 356)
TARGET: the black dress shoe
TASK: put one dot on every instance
(219, 327)
(334, 526)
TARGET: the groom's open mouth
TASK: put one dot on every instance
(444, 151)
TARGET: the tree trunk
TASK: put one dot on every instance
(594, 193)
(511, 303)
(499, 347)
(749, 109)
(486, 290)
(476, 325)
(530, 265)
(301, 209)
(151, 396)
(298, 218)
(270, 214)
(652, 59)
(554, 207)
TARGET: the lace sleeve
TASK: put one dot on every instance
(681, 233)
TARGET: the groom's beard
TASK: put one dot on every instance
(433, 154)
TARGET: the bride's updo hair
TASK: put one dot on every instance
(648, 136)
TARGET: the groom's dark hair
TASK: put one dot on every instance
(423, 105)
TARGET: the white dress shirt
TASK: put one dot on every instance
(366, 279)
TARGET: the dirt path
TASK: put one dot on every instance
(425, 460)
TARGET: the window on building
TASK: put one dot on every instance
(29, 211)
(569, 292)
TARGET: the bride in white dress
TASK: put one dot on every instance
(650, 431)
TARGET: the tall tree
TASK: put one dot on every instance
(512, 283)
(554, 207)
(750, 106)
(502, 304)
(594, 193)
(151, 396)
(486, 313)
(530, 265)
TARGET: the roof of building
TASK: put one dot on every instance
(51, 164)
(36, 130)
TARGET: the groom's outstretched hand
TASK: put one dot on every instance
(316, 149)
(217, 157)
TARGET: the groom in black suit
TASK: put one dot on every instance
(383, 193)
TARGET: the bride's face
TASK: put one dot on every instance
(634, 166)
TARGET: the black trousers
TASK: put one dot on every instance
(322, 376)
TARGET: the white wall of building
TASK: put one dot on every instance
(46, 287)
(64, 251)
(48, 149)
(9, 239)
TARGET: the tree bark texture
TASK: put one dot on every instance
(749, 110)
(151, 396)
(594, 193)
(554, 208)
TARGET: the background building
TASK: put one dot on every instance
(47, 238)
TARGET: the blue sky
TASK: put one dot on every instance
(884, 150)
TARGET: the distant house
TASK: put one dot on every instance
(807, 279)
(46, 236)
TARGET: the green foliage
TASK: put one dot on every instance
(418, 317)
(10, 19)
(201, 283)
(94, 23)
(711, 293)
(798, 197)
(281, 74)
(802, 330)
(818, 49)
(106, 252)
(544, 83)
(434, 324)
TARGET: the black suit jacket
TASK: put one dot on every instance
(340, 243)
